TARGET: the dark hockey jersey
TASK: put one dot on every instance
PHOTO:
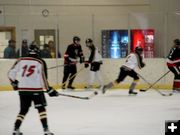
(72, 53)
(173, 57)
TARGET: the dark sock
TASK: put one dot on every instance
(18, 121)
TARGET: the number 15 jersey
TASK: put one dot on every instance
(30, 74)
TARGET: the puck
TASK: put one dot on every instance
(95, 93)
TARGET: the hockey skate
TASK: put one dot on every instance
(48, 133)
(63, 87)
(70, 87)
(131, 92)
(107, 86)
(17, 132)
(104, 89)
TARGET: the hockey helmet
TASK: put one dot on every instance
(89, 40)
(24, 41)
(138, 49)
(76, 38)
(34, 49)
(176, 41)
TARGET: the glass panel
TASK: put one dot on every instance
(4, 38)
(165, 26)
(114, 43)
(145, 39)
(48, 38)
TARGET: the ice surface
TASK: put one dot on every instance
(115, 113)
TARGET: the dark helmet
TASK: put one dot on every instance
(138, 49)
(11, 41)
(76, 38)
(33, 49)
(46, 46)
(24, 41)
(176, 41)
(89, 40)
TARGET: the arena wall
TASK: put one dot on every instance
(154, 69)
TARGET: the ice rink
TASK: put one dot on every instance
(115, 113)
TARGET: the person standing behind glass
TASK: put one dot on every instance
(52, 50)
(45, 53)
(24, 52)
(9, 51)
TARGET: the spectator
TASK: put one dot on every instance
(45, 53)
(52, 49)
(9, 52)
(24, 50)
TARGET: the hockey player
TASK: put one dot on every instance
(173, 63)
(29, 77)
(95, 60)
(71, 55)
(127, 69)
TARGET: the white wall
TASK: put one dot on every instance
(154, 69)
(87, 18)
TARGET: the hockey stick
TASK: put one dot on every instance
(67, 95)
(151, 85)
(57, 66)
(74, 75)
(85, 98)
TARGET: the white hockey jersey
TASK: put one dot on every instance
(30, 74)
(132, 61)
(97, 56)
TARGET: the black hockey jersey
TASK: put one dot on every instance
(173, 57)
(72, 53)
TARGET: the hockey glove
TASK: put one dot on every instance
(52, 92)
(143, 65)
(86, 64)
(81, 59)
(15, 84)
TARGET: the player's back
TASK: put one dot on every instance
(30, 74)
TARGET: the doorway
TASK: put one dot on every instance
(6, 33)
(44, 36)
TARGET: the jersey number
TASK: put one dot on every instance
(28, 70)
